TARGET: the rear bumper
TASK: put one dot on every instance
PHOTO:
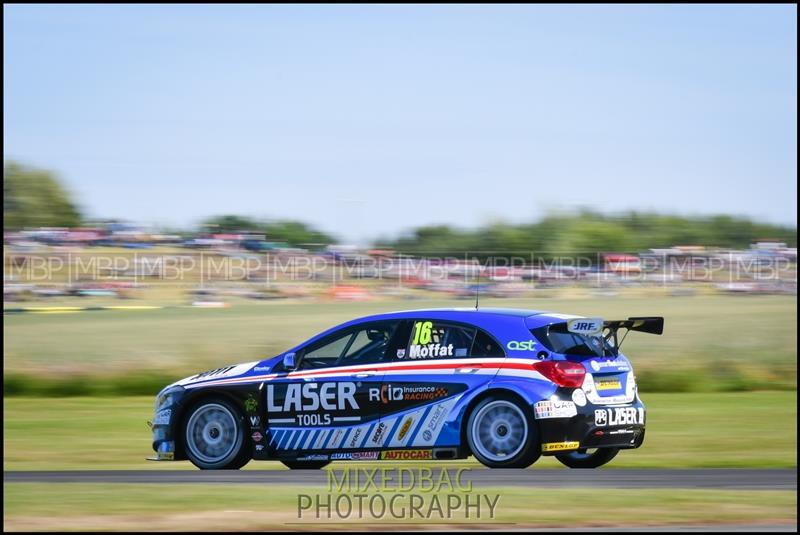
(592, 426)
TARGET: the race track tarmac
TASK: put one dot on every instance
(716, 478)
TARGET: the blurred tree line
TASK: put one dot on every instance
(35, 198)
(590, 232)
(294, 233)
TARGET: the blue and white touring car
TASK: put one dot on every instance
(503, 385)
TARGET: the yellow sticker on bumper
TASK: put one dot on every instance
(560, 446)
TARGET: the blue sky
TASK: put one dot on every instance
(368, 120)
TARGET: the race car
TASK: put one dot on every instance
(504, 385)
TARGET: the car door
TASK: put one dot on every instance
(440, 362)
(328, 402)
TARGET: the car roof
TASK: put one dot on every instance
(504, 323)
(478, 316)
(487, 318)
(461, 312)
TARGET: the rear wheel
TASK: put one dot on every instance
(214, 436)
(306, 465)
(588, 457)
(501, 434)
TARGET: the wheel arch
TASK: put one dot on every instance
(493, 391)
(192, 398)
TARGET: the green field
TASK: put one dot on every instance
(32, 506)
(754, 429)
(704, 349)
(711, 342)
(734, 359)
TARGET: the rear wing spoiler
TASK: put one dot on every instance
(608, 329)
(596, 326)
(645, 324)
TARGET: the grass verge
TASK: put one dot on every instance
(34, 506)
(711, 343)
(748, 429)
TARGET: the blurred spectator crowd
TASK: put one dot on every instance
(123, 261)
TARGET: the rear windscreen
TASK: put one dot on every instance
(557, 339)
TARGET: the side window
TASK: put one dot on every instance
(369, 344)
(357, 345)
(485, 346)
(436, 340)
(326, 352)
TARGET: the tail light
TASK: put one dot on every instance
(562, 372)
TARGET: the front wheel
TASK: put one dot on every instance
(587, 458)
(214, 436)
(305, 465)
(501, 434)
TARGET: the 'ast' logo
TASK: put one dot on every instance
(525, 345)
(313, 396)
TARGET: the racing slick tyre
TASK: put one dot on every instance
(214, 435)
(587, 458)
(501, 433)
(306, 465)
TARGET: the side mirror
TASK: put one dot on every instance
(289, 362)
